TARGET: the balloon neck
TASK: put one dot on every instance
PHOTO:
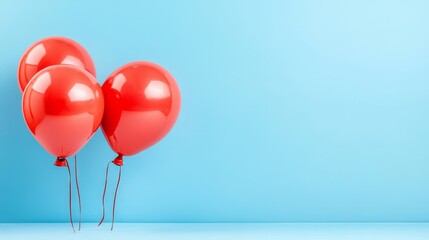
(118, 161)
(60, 162)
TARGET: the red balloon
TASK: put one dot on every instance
(63, 107)
(52, 51)
(142, 103)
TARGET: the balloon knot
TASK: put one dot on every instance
(118, 161)
(60, 162)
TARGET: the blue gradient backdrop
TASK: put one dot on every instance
(293, 111)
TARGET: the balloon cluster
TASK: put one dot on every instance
(63, 105)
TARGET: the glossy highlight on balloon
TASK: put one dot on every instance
(52, 51)
(142, 103)
(63, 107)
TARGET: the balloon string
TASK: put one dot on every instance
(78, 191)
(114, 199)
(70, 195)
(104, 194)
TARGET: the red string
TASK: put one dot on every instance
(78, 191)
(114, 199)
(104, 194)
(70, 195)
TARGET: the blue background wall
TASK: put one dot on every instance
(292, 111)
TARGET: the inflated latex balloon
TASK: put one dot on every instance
(63, 107)
(142, 104)
(52, 51)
